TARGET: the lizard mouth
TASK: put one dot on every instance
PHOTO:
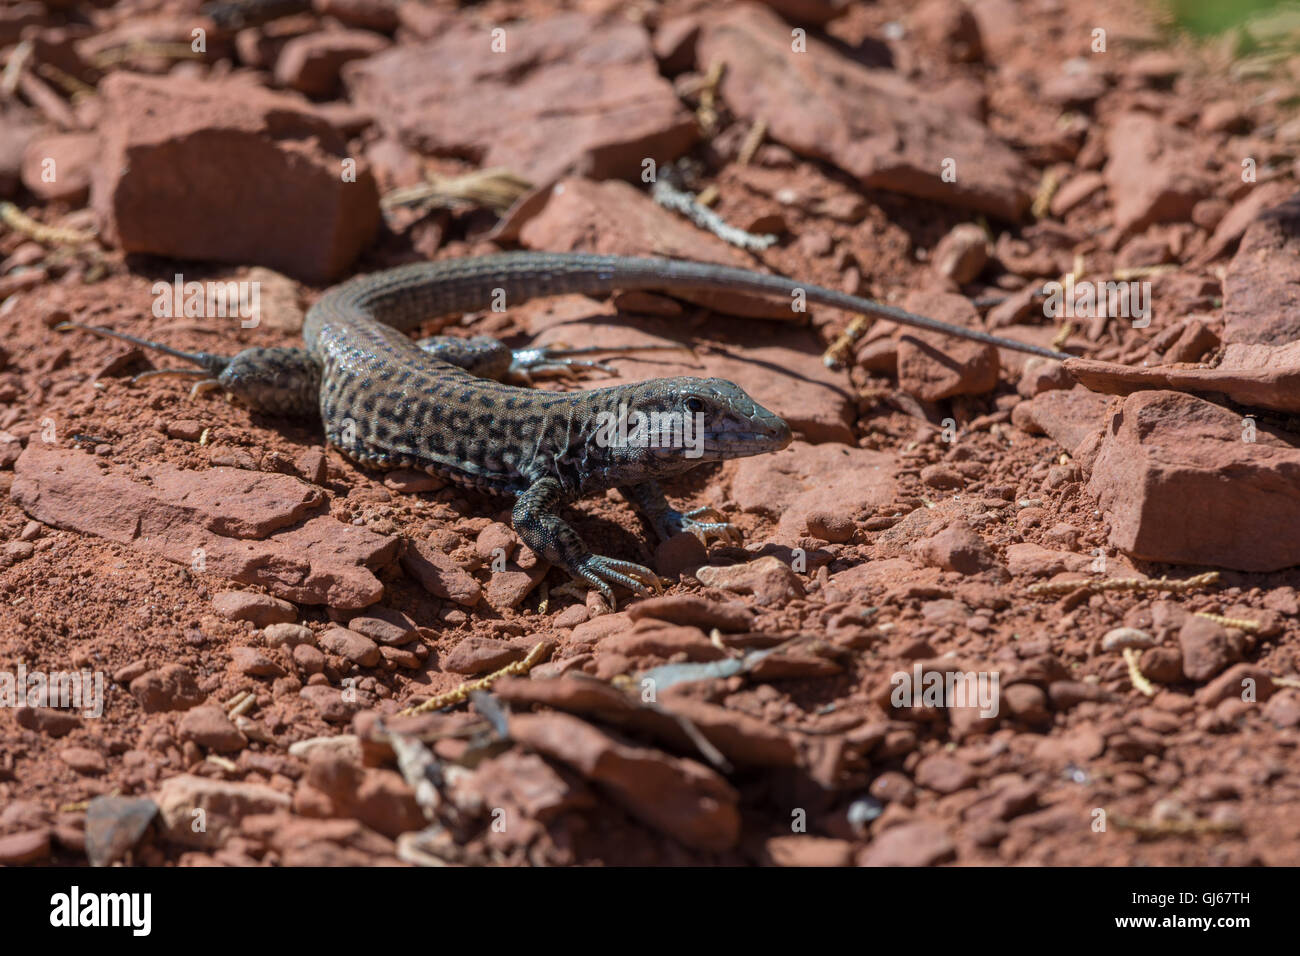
(774, 436)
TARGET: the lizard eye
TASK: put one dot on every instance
(694, 405)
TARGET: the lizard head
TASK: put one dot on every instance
(669, 425)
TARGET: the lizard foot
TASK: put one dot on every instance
(600, 571)
(559, 360)
(717, 530)
(672, 522)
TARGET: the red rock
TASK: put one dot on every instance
(253, 663)
(909, 844)
(58, 167)
(350, 645)
(1155, 172)
(261, 609)
(479, 655)
(944, 774)
(1071, 418)
(1076, 191)
(84, 760)
(497, 540)
(679, 554)
(47, 720)
(1267, 376)
(962, 254)
(385, 803)
(311, 63)
(832, 527)
(1159, 474)
(676, 796)
(526, 781)
(1033, 559)
(507, 589)
(397, 657)
(1196, 339)
(330, 702)
(870, 123)
(385, 625)
(571, 616)
(932, 366)
(664, 642)
(951, 28)
(1233, 223)
(1259, 290)
(225, 521)
(312, 466)
(1043, 375)
(1073, 89)
(615, 218)
(294, 211)
(287, 635)
(958, 547)
(224, 501)
(378, 15)
(378, 797)
(1283, 709)
(439, 574)
(808, 851)
(170, 687)
(674, 44)
(1161, 664)
(30, 846)
(1241, 681)
(224, 804)
(309, 659)
(768, 579)
(693, 609)
(570, 93)
(210, 728)
(805, 480)
(942, 476)
(1028, 703)
(1206, 648)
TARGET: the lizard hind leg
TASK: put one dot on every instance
(278, 381)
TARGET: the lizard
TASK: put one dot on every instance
(445, 405)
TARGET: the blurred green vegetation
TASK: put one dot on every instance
(1206, 17)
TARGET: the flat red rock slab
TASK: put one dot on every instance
(1264, 376)
(247, 526)
(569, 93)
(870, 123)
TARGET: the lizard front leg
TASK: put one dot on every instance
(667, 521)
(540, 527)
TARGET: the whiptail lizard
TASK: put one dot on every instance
(439, 405)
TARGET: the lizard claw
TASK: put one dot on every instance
(558, 359)
(547, 360)
(721, 530)
(706, 531)
(600, 571)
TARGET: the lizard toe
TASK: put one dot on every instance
(600, 571)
